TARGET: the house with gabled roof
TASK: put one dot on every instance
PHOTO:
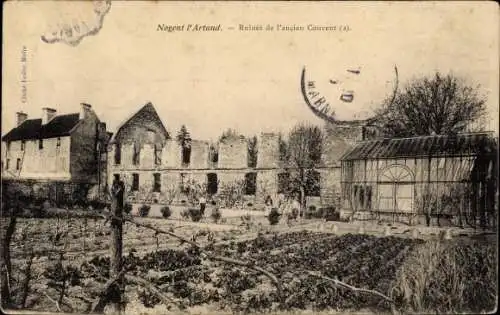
(66, 149)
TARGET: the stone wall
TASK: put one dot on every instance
(199, 154)
(338, 140)
(145, 126)
(267, 184)
(171, 154)
(268, 151)
(84, 138)
(330, 186)
(233, 153)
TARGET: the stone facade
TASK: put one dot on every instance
(233, 154)
(47, 154)
(59, 152)
(148, 154)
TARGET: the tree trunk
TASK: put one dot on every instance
(302, 202)
(5, 264)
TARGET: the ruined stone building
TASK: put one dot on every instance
(56, 153)
(152, 163)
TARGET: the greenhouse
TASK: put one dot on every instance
(423, 180)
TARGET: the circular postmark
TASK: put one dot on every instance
(348, 95)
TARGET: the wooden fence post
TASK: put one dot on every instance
(116, 262)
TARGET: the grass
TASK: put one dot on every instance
(448, 277)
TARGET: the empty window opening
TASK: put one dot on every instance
(157, 154)
(186, 155)
(118, 154)
(157, 182)
(212, 183)
(135, 182)
(136, 156)
(250, 183)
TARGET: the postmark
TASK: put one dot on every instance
(75, 23)
(335, 98)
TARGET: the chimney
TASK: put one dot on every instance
(85, 110)
(21, 117)
(47, 114)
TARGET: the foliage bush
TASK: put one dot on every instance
(294, 214)
(274, 216)
(312, 212)
(144, 210)
(330, 214)
(97, 204)
(166, 212)
(195, 214)
(216, 215)
(185, 214)
(127, 208)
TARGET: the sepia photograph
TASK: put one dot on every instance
(249, 157)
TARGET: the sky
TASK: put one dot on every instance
(245, 80)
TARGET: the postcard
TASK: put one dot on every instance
(212, 157)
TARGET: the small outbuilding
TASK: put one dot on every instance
(420, 179)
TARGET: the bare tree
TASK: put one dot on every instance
(305, 145)
(433, 105)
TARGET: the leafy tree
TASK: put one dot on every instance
(305, 146)
(252, 151)
(184, 140)
(183, 137)
(432, 105)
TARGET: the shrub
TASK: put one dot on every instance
(249, 205)
(144, 210)
(274, 216)
(166, 212)
(185, 214)
(216, 214)
(195, 214)
(98, 205)
(330, 214)
(294, 214)
(127, 208)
